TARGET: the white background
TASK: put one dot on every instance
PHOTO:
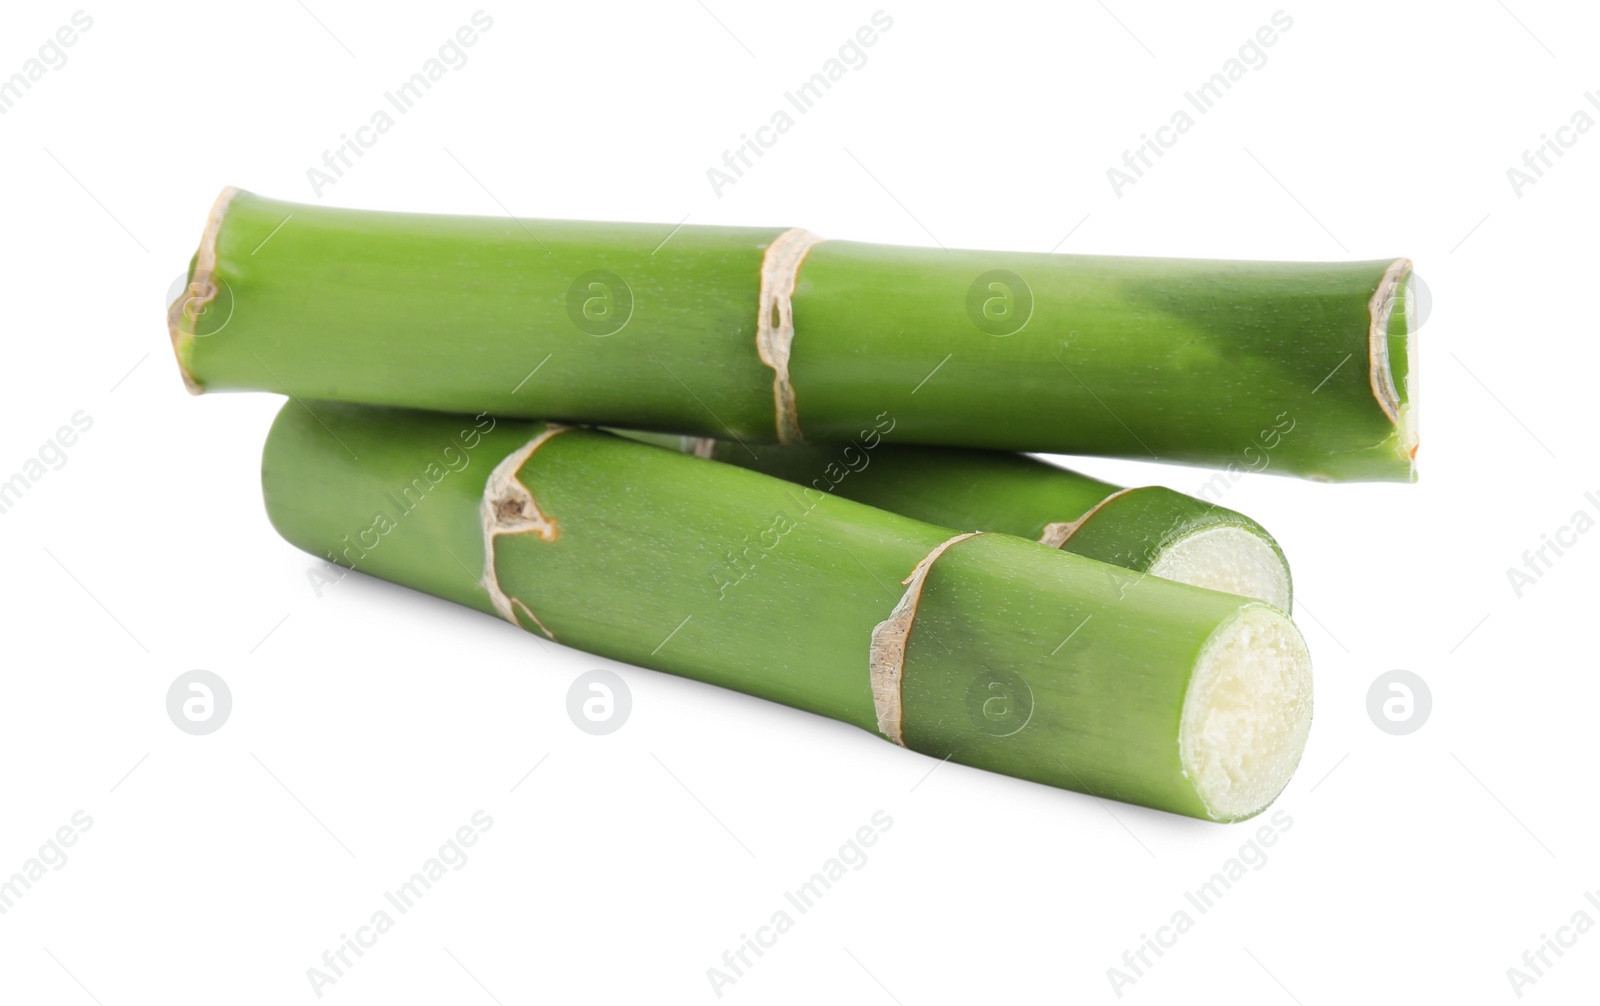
(369, 723)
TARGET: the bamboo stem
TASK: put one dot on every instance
(1151, 529)
(1025, 660)
(764, 334)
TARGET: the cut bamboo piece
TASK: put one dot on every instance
(1001, 654)
(770, 335)
(1149, 529)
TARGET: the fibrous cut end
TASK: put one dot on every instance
(200, 289)
(1226, 557)
(1413, 309)
(1396, 312)
(1246, 713)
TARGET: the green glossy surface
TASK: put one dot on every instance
(1173, 360)
(968, 490)
(972, 490)
(1191, 361)
(752, 583)
(1049, 685)
(455, 314)
(1131, 530)
(781, 592)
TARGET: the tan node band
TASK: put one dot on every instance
(887, 651)
(780, 271)
(1381, 308)
(1057, 532)
(509, 508)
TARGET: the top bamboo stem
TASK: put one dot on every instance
(764, 334)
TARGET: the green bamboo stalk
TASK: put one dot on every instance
(1000, 654)
(763, 335)
(1149, 529)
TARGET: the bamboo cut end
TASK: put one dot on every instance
(1229, 558)
(1246, 713)
(191, 314)
(1392, 340)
